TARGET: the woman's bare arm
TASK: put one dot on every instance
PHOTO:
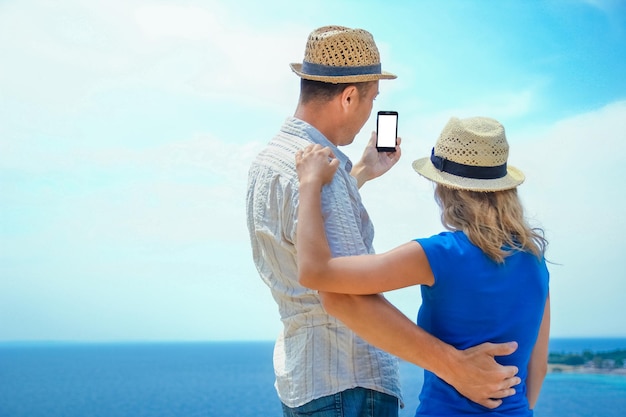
(538, 365)
(366, 274)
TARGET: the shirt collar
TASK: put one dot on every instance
(317, 137)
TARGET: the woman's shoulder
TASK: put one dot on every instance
(446, 236)
(448, 241)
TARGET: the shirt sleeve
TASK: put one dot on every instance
(346, 222)
(442, 251)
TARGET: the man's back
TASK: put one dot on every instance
(315, 355)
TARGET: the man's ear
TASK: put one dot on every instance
(349, 96)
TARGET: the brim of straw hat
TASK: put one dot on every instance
(512, 179)
(344, 79)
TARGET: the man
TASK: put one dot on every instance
(321, 365)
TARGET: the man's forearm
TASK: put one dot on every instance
(381, 324)
(359, 172)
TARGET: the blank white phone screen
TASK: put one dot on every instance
(387, 130)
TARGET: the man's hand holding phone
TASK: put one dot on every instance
(374, 163)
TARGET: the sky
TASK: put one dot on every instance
(127, 128)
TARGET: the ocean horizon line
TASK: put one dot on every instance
(129, 341)
(16, 342)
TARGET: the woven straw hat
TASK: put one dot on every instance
(471, 154)
(337, 54)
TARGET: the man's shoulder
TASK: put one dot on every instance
(279, 154)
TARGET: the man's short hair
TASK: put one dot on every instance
(324, 92)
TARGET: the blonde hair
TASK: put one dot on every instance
(493, 221)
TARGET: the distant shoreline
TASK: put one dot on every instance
(557, 368)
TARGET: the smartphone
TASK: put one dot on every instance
(386, 131)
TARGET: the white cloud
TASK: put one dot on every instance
(580, 159)
(574, 170)
(193, 190)
(69, 57)
(186, 22)
(503, 105)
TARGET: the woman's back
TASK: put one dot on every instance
(475, 300)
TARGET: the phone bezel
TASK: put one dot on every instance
(386, 113)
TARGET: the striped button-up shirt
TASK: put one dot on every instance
(315, 355)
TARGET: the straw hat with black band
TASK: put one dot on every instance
(471, 154)
(340, 55)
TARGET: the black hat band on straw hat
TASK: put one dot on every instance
(311, 68)
(467, 171)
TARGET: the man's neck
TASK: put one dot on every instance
(320, 117)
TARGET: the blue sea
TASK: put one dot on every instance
(224, 379)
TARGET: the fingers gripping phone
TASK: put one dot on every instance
(386, 131)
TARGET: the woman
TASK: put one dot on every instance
(484, 280)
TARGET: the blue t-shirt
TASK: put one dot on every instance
(475, 300)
